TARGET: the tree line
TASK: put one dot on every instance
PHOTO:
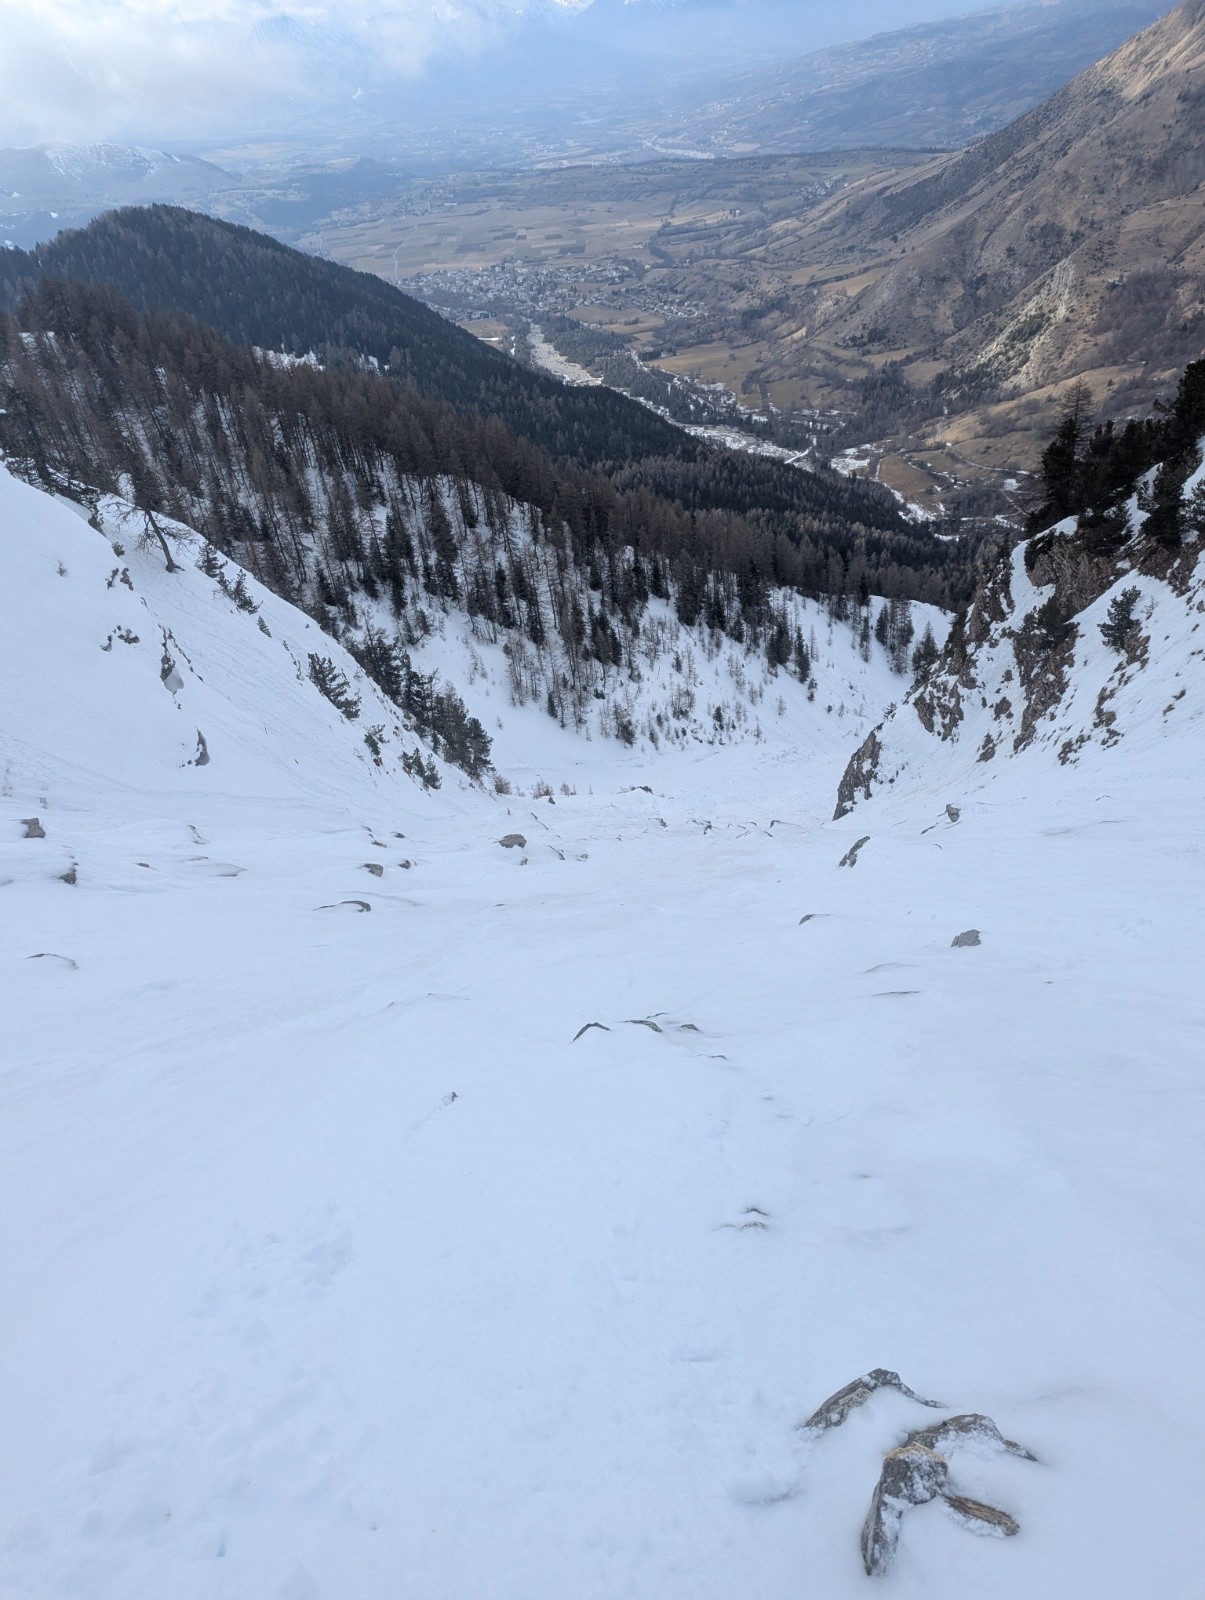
(1090, 473)
(260, 293)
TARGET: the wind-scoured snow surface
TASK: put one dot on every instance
(335, 1266)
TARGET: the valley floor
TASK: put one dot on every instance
(338, 1264)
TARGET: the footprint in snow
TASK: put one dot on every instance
(666, 1025)
(751, 1219)
(203, 867)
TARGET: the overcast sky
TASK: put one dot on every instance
(176, 69)
(161, 70)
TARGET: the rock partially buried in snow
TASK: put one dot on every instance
(916, 1473)
(953, 812)
(911, 1476)
(965, 941)
(969, 1428)
(601, 1026)
(838, 1406)
(375, 867)
(850, 858)
(917, 1470)
(33, 828)
(976, 1517)
(513, 841)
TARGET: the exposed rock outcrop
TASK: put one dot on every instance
(833, 1412)
(1033, 666)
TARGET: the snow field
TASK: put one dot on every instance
(285, 1319)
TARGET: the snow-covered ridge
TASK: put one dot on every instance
(79, 162)
(92, 174)
(156, 687)
(176, 651)
(1031, 672)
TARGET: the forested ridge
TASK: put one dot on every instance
(380, 511)
(396, 489)
(259, 292)
(202, 426)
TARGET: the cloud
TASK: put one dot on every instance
(90, 69)
(160, 71)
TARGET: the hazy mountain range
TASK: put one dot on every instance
(609, 82)
(1068, 244)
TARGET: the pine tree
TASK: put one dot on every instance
(1104, 529)
(1164, 505)
(1061, 467)
(802, 660)
(1194, 510)
(325, 675)
(241, 595)
(925, 654)
(1115, 631)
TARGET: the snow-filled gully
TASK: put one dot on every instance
(343, 1258)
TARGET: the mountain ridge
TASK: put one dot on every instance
(937, 84)
(1068, 246)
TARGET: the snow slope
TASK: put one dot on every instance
(118, 675)
(338, 1264)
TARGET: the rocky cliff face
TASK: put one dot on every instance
(1030, 672)
(1069, 244)
(1068, 241)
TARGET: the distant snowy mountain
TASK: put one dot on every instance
(62, 173)
(48, 187)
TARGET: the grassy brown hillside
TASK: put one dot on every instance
(934, 86)
(1069, 244)
(934, 306)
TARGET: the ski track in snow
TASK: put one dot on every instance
(285, 1319)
